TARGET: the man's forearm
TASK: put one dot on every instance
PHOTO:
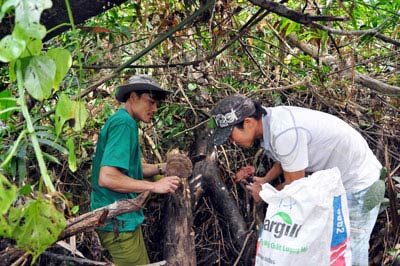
(273, 173)
(111, 178)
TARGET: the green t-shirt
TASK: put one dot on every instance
(117, 146)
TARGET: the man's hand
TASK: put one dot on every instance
(244, 173)
(167, 184)
(254, 189)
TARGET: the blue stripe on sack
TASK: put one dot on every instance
(339, 233)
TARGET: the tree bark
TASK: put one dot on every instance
(179, 248)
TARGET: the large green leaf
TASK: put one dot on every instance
(35, 227)
(39, 76)
(63, 61)
(374, 195)
(27, 28)
(11, 48)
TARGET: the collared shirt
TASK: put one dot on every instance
(305, 139)
(118, 146)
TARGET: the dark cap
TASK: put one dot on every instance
(140, 83)
(229, 112)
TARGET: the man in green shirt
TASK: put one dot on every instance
(118, 171)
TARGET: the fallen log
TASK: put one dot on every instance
(179, 248)
(97, 218)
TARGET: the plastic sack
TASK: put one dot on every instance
(306, 224)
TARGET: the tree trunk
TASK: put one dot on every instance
(244, 240)
(179, 248)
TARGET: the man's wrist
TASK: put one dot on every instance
(152, 187)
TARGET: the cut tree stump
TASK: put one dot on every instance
(179, 248)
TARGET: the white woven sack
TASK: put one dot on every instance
(306, 223)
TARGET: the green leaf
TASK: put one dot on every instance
(25, 190)
(35, 227)
(374, 195)
(35, 32)
(71, 155)
(51, 158)
(80, 115)
(8, 192)
(64, 112)
(21, 167)
(33, 47)
(39, 76)
(27, 15)
(53, 144)
(285, 217)
(11, 48)
(75, 209)
(63, 61)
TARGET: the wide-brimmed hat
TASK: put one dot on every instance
(229, 112)
(140, 83)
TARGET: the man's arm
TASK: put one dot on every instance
(113, 179)
(273, 173)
